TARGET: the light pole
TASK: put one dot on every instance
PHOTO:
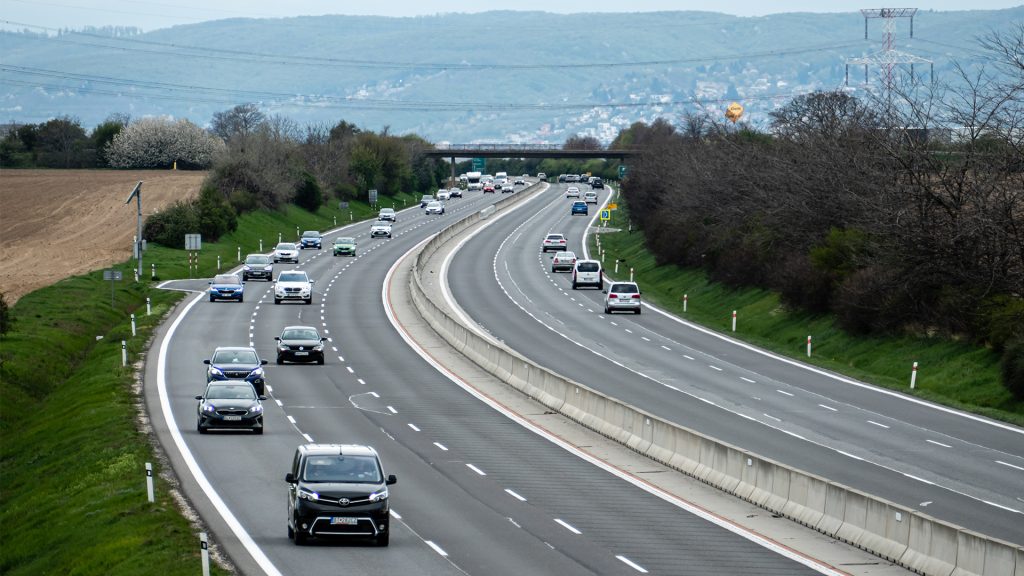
(137, 194)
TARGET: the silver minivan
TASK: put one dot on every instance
(622, 296)
(587, 273)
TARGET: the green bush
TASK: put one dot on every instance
(307, 194)
(209, 215)
(1013, 368)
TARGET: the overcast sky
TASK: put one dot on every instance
(152, 14)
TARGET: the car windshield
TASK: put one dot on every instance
(311, 234)
(230, 392)
(344, 240)
(225, 279)
(566, 255)
(624, 289)
(588, 267)
(286, 246)
(434, 205)
(291, 277)
(300, 334)
(257, 259)
(554, 236)
(338, 468)
(387, 211)
(234, 357)
(426, 198)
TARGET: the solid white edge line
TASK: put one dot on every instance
(568, 526)
(307, 437)
(1010, 465)
(938, 443)
(236, 527)
(650, 489)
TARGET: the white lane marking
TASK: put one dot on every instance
(784, 392)
(713, 367)
(586, 457)
(361, 381)
(628, 330)
(772, 417)
(334, 348)
(918, 478)
(514, 523)
(291, 419)
(350, 370)
(436, 548)
(307, 437)
(938, 443)
(441, 446)
(645, 338)
(632, 564)
(666, 347)
(612, 323)
(568, 526)
(515, 495)
(414, 427)
(374, 394)
(828, 408)
(340, 359)
(279, 403)
(236, 527)
(475, 469)
(396, 515)
(877, 424)
(687, 357)
(392, 409)
(1010, 465)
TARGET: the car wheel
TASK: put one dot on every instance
(212, 298)
(291, 532)
(607, 310)
(300, 537)
(244, 278)
(600, 285)
(241, 299)
(201, 428)
(270, 278)
(277, 300)
(637, 311)
(573, 285)
(309, 300)
(280, 360)
(258, 430)
(383, 539)
(320, 361)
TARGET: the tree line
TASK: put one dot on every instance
(843, 208)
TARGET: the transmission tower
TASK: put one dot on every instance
(889, 57)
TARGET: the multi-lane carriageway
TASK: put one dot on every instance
(478, 493)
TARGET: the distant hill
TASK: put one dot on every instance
(504, 76)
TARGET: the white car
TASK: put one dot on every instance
(387, 214)
(507, 189)
(293, 285)
(587, 273)
(572, 192)
(554, 242)
(590, 197)
(286, 252)
(563, 261)
(435, 207)
(520, 182)
(444, 195)
(622, 296)
(380, 229)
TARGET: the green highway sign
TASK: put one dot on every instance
(479, 164)
(623, 170)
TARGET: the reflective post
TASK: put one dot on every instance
(133, 324)
(149, 482)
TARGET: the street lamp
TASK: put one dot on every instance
(137, 194)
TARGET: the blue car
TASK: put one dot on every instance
(237, 363)
(579, 207)
(310, 239)
(226, 287)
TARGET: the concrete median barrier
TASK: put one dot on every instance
(902, 535)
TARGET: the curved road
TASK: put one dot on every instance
(477, 493)
(957, 467)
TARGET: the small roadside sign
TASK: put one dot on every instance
(111, 275)
(373, 196)
(193, 241)
(623, 170)
(612, 206)
(606, 215)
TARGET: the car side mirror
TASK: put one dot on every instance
(289, 478)
(392, 479)
(323, 339)
(604, 291)
(278, 338)
(264, 362)
(263, 398)
(199, 397)
(207, 361)
(210, 282)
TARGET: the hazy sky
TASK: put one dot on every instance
(151, 14)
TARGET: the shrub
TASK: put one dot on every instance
(160, 142)
(307, 193)
(209, 215)
(5, 315)
(1013, 368)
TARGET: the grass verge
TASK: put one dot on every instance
(72, 452)
(956, 374)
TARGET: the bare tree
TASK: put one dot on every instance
(239, 121)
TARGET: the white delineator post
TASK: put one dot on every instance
(616, 266)
(686, 298)
(124, 353)
(133, 324)
(278, 237)
(631, 274)
(238, 254)
(261, 244)
(218, 262)
(733, 320)
(913, 376)
(149, 307)
(152, 273)
(204, 548)
(808, 345)
(335, 220)
(149, 482)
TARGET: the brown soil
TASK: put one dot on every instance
(60, 223)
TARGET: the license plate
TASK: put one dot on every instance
(232, 418)
(302, 353)
(344, 520)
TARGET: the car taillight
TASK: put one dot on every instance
(613, 296)
(636, 296)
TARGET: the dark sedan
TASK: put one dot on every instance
(300, 344)
(236, 363)
(231, 404)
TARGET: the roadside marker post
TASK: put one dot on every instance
(149, 482)
(204, 548)
(152, 272)
(238, 254)
(808, 345)
(631, 274)
(261, 244)
(149, 307)
(297, 232)
(278, 237)
(733, 320)
(218, 262)
(124, 353)
(686, 298)
(335, 220)
(913, 376)
(133, 324)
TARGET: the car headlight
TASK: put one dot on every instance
(246, 267)
(214, 371)
(318, 348)
(256, 409)
(209, 408)
(268, 268)
(257, 372)
(378, 496)
(282, 346)
(308, 495)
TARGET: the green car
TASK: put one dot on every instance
(344, 246)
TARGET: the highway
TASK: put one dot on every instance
(477, 493)
(956, 467)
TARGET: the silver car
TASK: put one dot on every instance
(622, 296)
(380, 229)
(563, 261)
(286, 252)
(435, 207)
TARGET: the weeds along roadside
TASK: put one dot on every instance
(72, 448)
(952, 373)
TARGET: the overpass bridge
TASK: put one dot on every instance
(455, 151)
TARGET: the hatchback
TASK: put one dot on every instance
(230, 404)
(237, 363)
(226, 287)
(578, 207)
(300, 344)
(622, 296)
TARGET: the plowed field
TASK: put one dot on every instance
(59, 223)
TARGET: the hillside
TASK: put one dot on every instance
(521, 76)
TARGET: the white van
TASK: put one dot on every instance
(587, 273)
